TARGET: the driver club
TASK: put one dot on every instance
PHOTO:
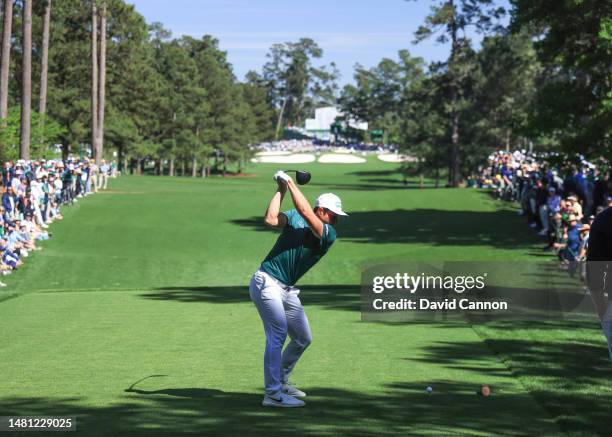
(301, 177)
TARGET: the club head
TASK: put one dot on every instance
(302, 177)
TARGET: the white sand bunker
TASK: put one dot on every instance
(272, 153)
(396, 158)
(332, 158)
(299, 158)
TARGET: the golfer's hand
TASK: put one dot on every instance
(282, 176)
(282, 186)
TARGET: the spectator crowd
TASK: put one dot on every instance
(319, 146)
(558, 198)
(32, 195)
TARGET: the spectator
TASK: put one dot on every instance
(556, 198)
(104, 168)
(32, 195)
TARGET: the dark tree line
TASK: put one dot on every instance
(544, 81)
(107, 82)
(143, 94)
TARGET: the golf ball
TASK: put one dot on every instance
(429, 389)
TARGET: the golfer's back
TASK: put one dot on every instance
(297, 249)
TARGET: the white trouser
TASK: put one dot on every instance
(38, 213)
(606, 324)
(94, 182)
(282, 313)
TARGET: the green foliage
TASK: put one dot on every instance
(201, 110)
(295, 84)
(574, 43)
(165, 98)
(547, 83)
(378, 96)
(449, 20)
(254, 93)
(45, 133)
(424, 126)
(508, 70)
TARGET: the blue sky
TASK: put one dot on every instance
(348, 31)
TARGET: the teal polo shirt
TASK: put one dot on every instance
(297, 249)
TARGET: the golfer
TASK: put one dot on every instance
(307, 234)
(599, 272)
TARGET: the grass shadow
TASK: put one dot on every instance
(399, 409)
(425, 226)
(345, 297)
(577, 371)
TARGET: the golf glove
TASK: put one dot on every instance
(282, 176)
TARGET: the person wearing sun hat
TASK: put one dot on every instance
(307, 235)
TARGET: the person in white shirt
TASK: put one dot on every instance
(103, 179)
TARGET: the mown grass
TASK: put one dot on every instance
(136, 318)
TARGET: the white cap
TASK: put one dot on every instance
(331, 202)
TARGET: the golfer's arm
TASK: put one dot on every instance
(305, 210)
(273, 216)
(597, 273)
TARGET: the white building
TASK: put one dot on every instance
(320, 126)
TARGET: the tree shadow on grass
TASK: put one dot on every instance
(398, 409)
(363, 185)
(570, 378)
(378, 173)
(394, 176)
(426, 226)
(345, 297)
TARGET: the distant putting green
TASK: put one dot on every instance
(136, 318)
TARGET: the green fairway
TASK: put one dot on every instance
(136, 318)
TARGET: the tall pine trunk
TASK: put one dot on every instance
(6, 57)
(94, 78)
(121, 157)
(280, 118)
(455, 158)
(26, 91)
(44, 64)
(171, 167)
(194, 167)
(44, 67)
(101, 83)
(455, 151)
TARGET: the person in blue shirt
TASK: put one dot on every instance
(572, 246)
(9, 201)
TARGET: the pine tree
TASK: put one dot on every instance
(26, 92)
(6, 57)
